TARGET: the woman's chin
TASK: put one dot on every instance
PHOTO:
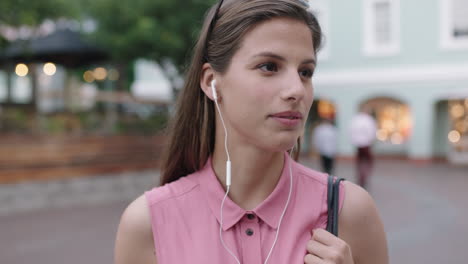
(283, 145)
(279, 142)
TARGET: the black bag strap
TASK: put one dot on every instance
(333, 198)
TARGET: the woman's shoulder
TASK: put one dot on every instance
(357, 197)
(171, 190)
(135, 238)
(137, 215)
(361, 226)
(134, 242)
(358, 205)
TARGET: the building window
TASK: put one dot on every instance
(320, 8)
(381, 27)
(454, 24)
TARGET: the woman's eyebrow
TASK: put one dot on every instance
(310, 61)
(270, 55)
(281, 58)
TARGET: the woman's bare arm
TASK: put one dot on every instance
(134, 242)
(361, 227)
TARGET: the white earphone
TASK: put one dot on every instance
(228, 162)
(213, 89)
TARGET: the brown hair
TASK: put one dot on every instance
(192, 130)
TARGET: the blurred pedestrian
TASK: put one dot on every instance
(246, 98)
(325, 141)
(363, 133)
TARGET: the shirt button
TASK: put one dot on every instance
(250, 216)
(249, 232)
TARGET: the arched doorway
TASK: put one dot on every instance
(394, 124)
(320, 109)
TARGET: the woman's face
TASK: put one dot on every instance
(267, 90)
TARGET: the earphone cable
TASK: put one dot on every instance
(225, 131)
(284, 210)
(221, 228)
(279, 223)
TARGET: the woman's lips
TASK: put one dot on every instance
(288, 118)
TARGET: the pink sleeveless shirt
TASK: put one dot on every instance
(185, 219)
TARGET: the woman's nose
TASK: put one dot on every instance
(293, 88)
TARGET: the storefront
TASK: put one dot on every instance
(394, 124)
(458, 135)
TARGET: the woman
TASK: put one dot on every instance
(246, 100)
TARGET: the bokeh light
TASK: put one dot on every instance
(454, 136)
(100, 73)
(457, 110)
(49, 69)
(21, 69)
(382, 134)
(326, 109)
(88, 76)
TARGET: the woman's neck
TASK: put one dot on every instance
(254, 172)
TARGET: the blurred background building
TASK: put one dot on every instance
(406, 63)
(87, 87)
(67, 71)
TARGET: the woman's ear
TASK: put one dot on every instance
(207, 76)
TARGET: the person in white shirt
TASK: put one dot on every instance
(363, 132)
(325, 141)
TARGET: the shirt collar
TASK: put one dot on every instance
(269, 210)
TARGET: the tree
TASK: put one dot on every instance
(3, 43)
(16, 13)
(160, 30)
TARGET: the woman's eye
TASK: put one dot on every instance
(269, 67)
(306, 73)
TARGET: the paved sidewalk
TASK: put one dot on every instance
(33, 196)
(74, 221)
(423, 208)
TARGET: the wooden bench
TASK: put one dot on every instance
(40, 158)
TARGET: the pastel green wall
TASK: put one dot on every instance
(419, 47)
(419, 33)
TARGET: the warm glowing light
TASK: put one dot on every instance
(49, 69)
(100, 73)
(457, 110)
(388, 125)
(397, 139)
(392, 111)
(21, 69)
(394, 120)
(454, 136)
(326, 109)
(88, 76)
(461, 126)
(382, 135)
(405, 122)
(113, 75)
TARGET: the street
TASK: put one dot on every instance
(423, 208)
